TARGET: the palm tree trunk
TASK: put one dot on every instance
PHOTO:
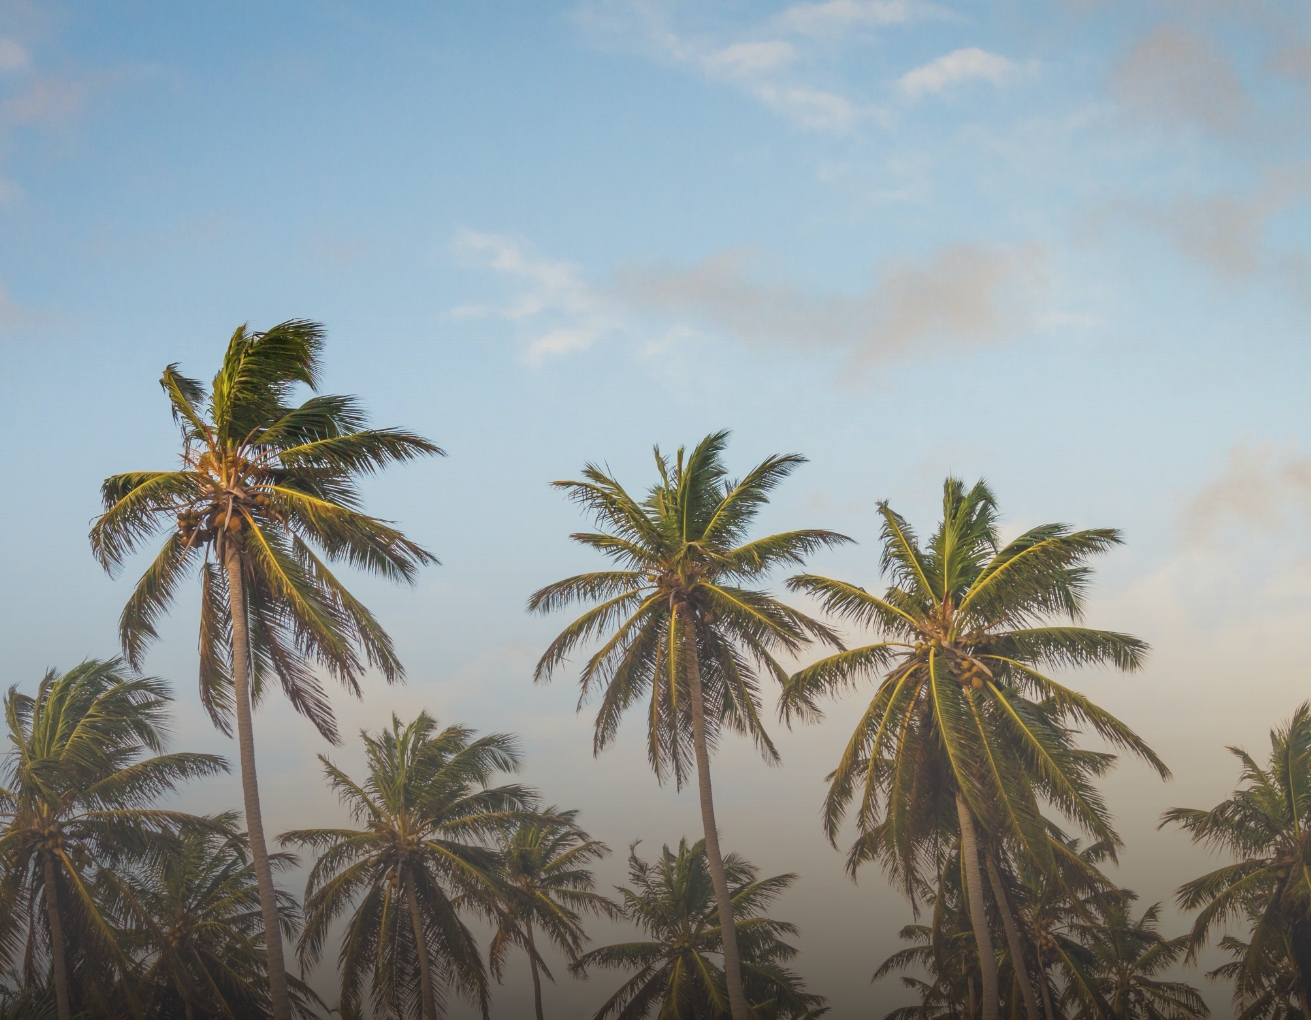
(733, 975)
(533, 966)
(421, 951)
(59, 966)
(188, 1012)
(979, 921)
(241, 683)
(1018, 965)
(1047, 998)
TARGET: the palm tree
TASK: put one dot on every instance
(679, 623)
(192, 919)
(673, 902)
(75, 798)
(1265, 826)
(425, 812)
(1127, 956)
(546, 881)
(965, 627)
(263, 483)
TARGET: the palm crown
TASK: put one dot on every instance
(966, 630)
(684, 591)
(273, 481)
(673, 902)
(84, 765)
(425, 811)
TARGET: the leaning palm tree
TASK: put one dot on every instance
(673, 901)
(426, 813)
(1265, 826)
(546, 882)
(192, 920)
(952, 740)
(262, 483)
(76, 796)
(683, 621)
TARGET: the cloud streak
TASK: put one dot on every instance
(1262, 490)
(1174, 78)
(959, 66)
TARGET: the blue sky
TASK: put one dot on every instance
(1063, 246)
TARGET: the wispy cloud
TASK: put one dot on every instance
(959, 295)
(769, 62)
(13, 55)
(1262, 489)
(560, 312)
(1174, 78)
(964, 65)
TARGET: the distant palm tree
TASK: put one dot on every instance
(76, 796)
(1265, 826)
(680, 623)
(192, 920)
(1127, 957)
(547, 882)
(951, 731)
(673, 901)
(262, 483)
(425, 814)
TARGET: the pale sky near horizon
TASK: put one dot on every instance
(1062, 246)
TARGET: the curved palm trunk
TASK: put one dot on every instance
(988, 966)
(1014, 945)
(59, 966)
(533, 966)
(733, 975)
(241, 683)
(1047, 997)
(421, 951)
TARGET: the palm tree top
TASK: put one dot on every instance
(277, 485)
(687, 568)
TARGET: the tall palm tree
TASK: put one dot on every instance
(965, 628)
(1128, 954)
(425, 813)
(192, 921)
(84, 767)
(683, 622)
(673, 902)
(547, 883)
(1265, 826)
(262, 484)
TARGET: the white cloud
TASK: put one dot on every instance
(751, 57)
(961, 65)
(560, 311)
(13, 57)
(761, 64)
(836, 16)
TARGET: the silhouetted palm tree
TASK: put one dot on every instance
(1265, 826)
(680, 624)
(952, 730)
(192, 921)
(262, 484)
(76, 796)
(1128, 955)
(673, 901)
(546, 883)
(425, 814)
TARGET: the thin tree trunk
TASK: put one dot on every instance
(533, 966)
(1017, 949)
(59, 965)
(1047, 998)
(187, 1010)
(733, 975)
(241, 683)
(979, 921)
(970, 989)
(421, 951)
